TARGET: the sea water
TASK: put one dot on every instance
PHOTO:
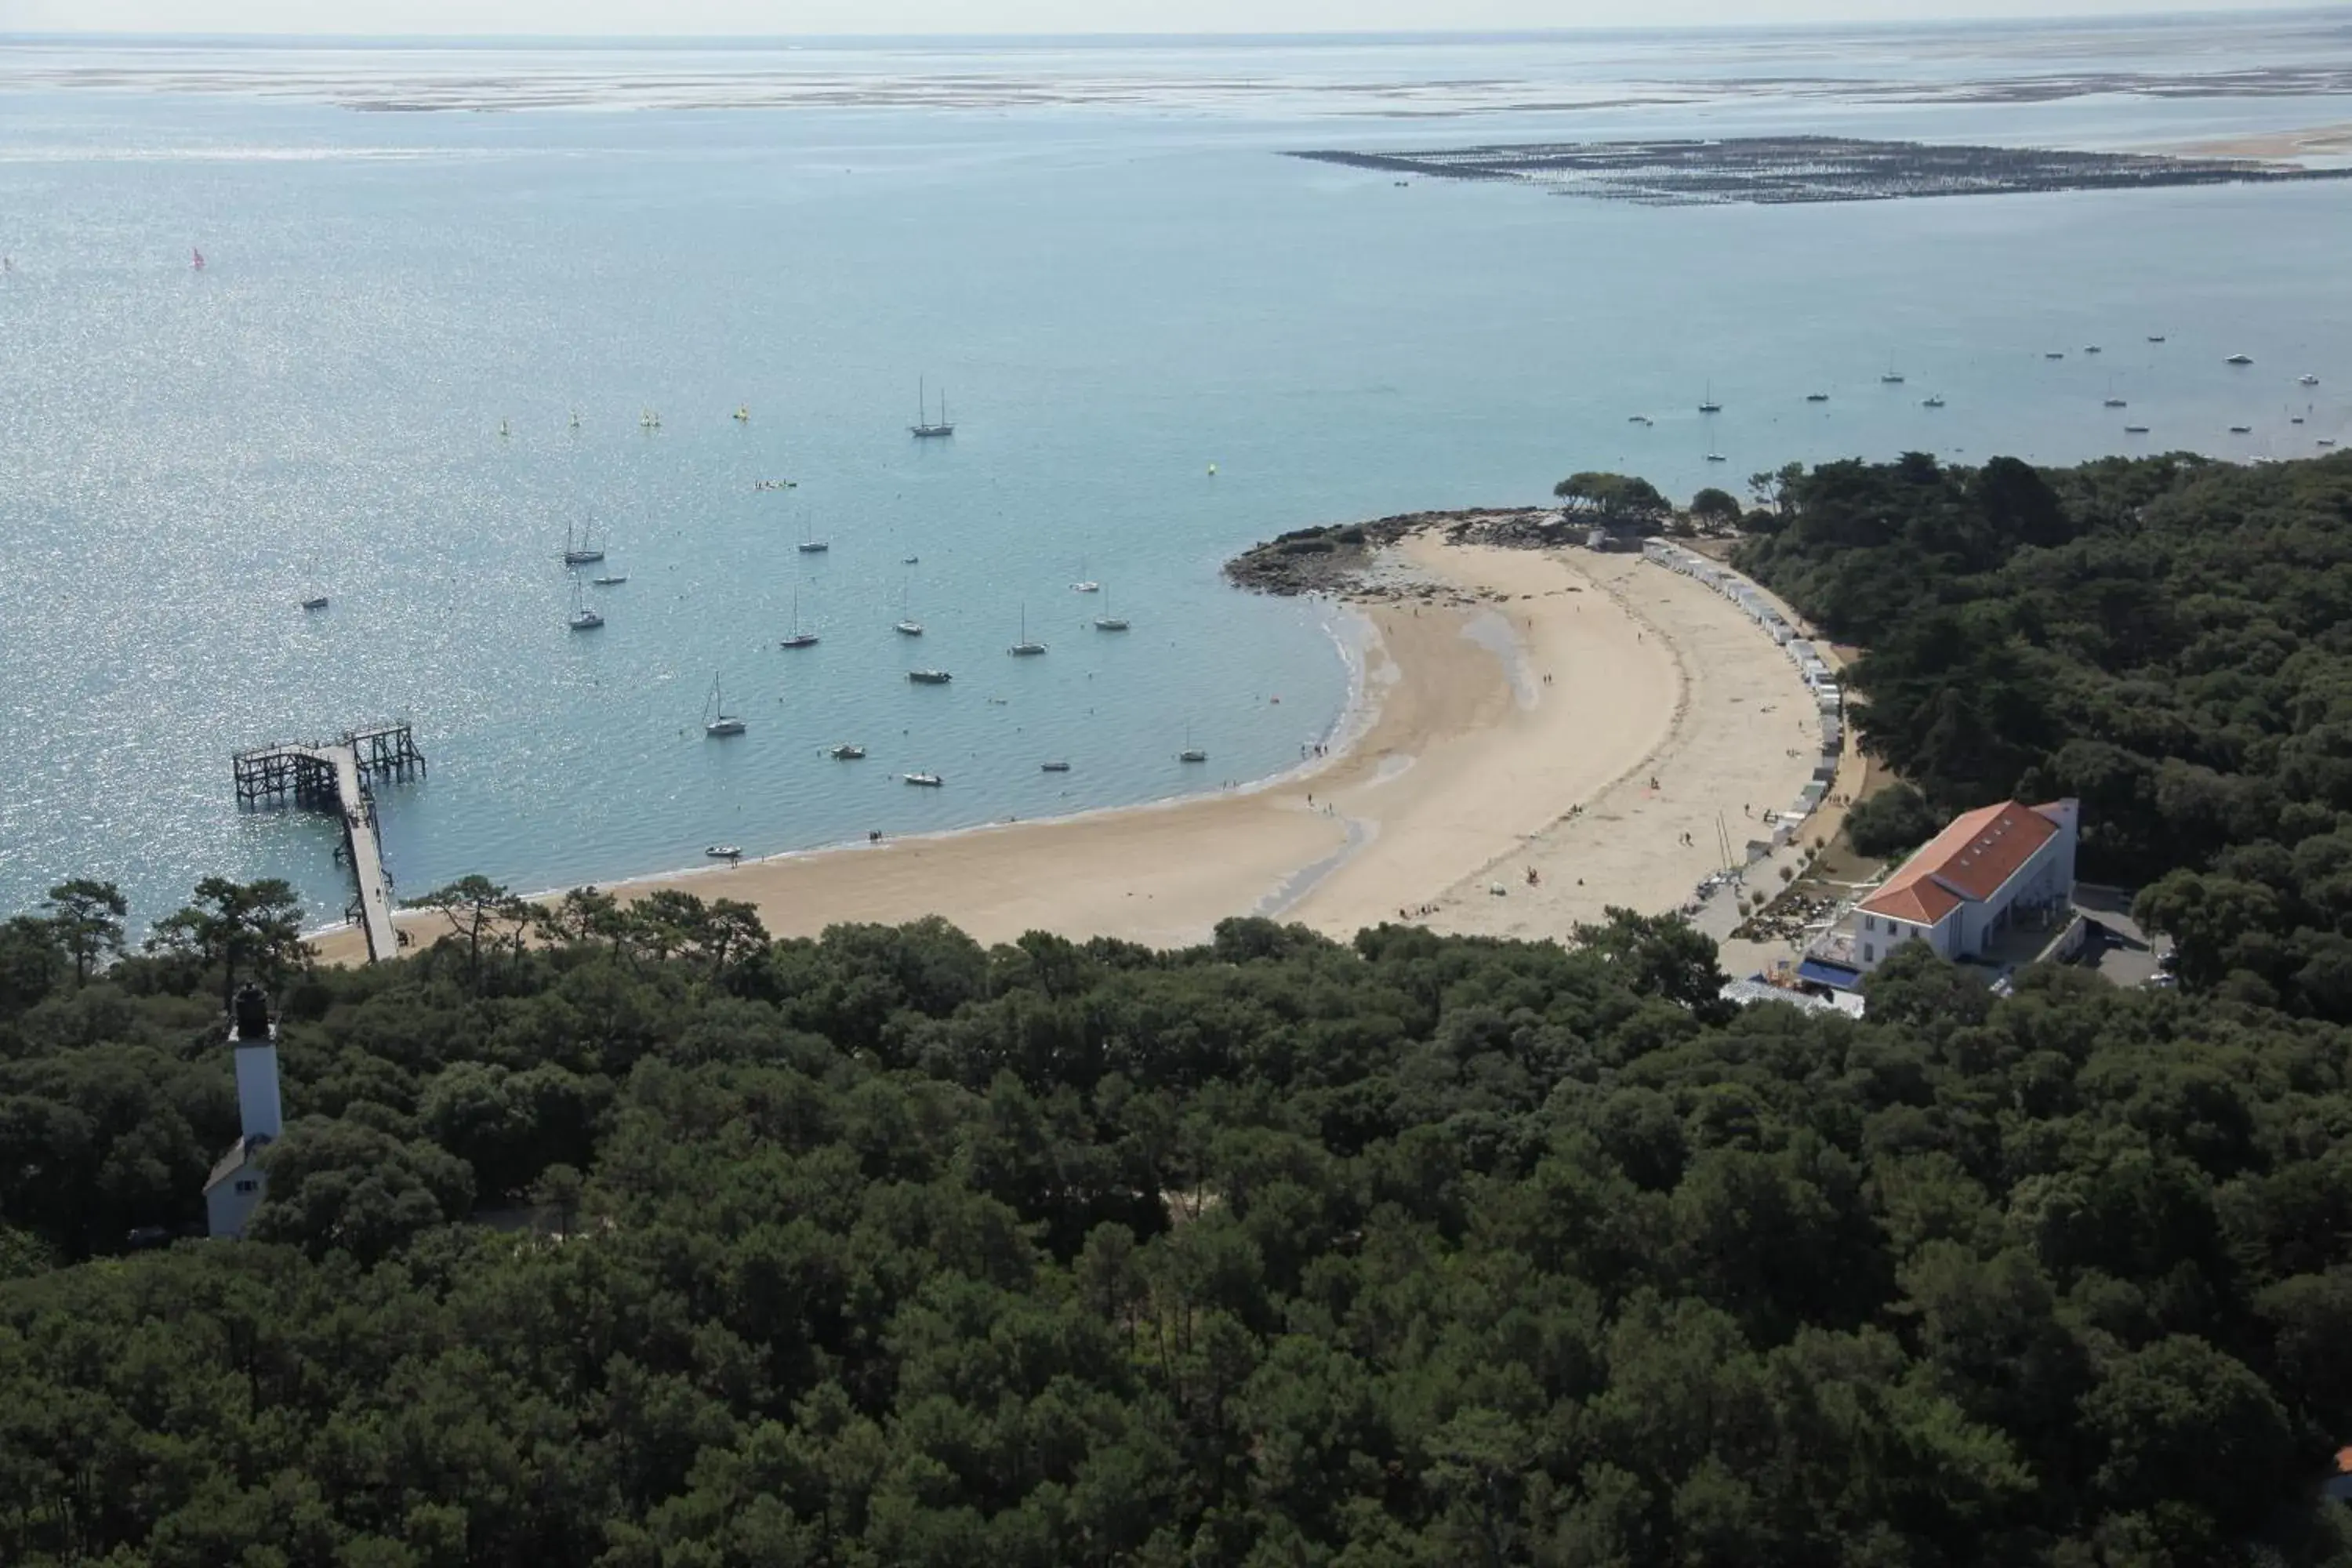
(1160, 340)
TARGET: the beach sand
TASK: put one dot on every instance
(2312, 142)
(1465, 772)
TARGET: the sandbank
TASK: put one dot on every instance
(1514, 719)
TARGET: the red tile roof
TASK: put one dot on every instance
(1969, 859)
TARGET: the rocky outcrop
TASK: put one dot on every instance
(1344, 559)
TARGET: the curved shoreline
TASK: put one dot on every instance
(1500, 701)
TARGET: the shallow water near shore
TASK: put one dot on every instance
(1115, 298)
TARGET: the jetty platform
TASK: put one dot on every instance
(333, 775)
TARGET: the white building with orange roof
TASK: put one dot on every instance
(1962, 891)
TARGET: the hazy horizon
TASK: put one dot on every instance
(694, 19)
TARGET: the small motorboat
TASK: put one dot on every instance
(846, 754)
(928, 781)
(723, 851)
(2090, 348)
(2155, 337)
(611, 580)
(1054, 767)
(743, 415)
(2134, 429)
(1931, 402)
(2239, 359)
(2241, 429)
(1817, 397)
(909, 559)
(315, 602)
(1085, 587)
(2056, 353)
(2307, 380)
(2327, 441)
(930, 676)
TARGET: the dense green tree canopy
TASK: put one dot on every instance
(891, 1248)
(2167, 638)
(1613, 498)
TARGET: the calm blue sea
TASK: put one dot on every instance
(1096, 252)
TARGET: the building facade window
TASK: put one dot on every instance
(1869, 953)
(248, 1186)
(1870, 922)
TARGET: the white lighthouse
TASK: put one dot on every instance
(237, 1183)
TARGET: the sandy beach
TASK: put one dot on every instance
(1516, 721)
(2312, 142)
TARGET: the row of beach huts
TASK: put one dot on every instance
(1820, 679)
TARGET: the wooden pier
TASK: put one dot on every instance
(334, 774)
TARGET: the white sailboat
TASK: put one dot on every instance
(718, 721)
(799, 637)
(1107, 621)
(579, 552)
(584, 619)
(1190, 753)
(1026, 648)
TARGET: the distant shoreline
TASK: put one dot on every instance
(1776, 171)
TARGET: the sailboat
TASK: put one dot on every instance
(1935, 401)
(1707, 405)
(928, 781)
(799, 637)
(2113, 401)
(1085, 585)
(1892, 377)
(1024, 648)
(907, 627)
(924, 428)
(584, 619)
(582, 554)
(315, 602)
(1190, 753)
(200, 257)
(813, 545)
(720, 721)
(1107, 621)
